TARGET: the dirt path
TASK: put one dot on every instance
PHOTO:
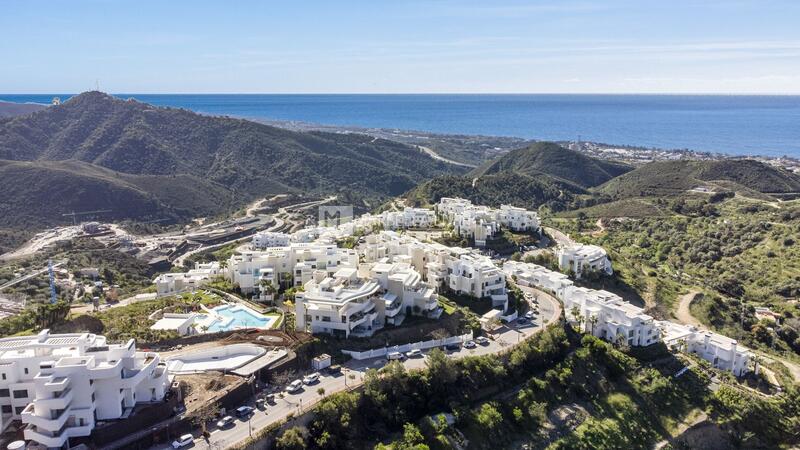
(683, 314)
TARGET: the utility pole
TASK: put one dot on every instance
(52, 281)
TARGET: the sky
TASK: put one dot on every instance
(397, 46)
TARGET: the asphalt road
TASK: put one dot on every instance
(353, 375)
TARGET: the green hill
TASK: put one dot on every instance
(95, 151)
(552, 160)
(36, 194)
(493, 190)
(676, 177)
(542, 174)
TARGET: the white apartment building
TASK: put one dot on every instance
(518, 219)
(341, 305)
(297, 262)
(532, 275)
(460, 269)
(265, 239)
(60, 385)
(405, 292)
(477, 276)
(582, 258)
(408, 218)
(482, 222)
(176, 283)
(609, 317)
(722, 352)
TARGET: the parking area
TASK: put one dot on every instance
(352, 375)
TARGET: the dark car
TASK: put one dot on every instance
(244, 411)
(453, 347)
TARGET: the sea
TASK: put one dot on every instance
(732, 124)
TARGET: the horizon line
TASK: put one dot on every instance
(743, 94)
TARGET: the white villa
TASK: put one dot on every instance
(721, 351)
(265, 239)
(175, 283)
(609, 317)
(60, 385)
(532, 275)
(582, 258)
(518, 219)
(408, 218)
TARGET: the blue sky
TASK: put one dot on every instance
(614, 46)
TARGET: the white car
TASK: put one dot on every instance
(311, 378)
(294, 386)
(415, 353)
(482, 340)
(225, 422)
(529, 315)
(469, 344)
(394, 356)
(183, 441)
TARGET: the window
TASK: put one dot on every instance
(18, 410)
(5, 393)
(7, 409)
(26, 371)
(4, 376)
(21, 393)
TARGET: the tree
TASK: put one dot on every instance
(576, 316)
(488, 418)
(593, 321)
(267, 289)
(292, 439)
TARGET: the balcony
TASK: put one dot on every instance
(45, 423)
(395, 308)
(58, 438)
(59, 400)
(57, 384)
(105, 369)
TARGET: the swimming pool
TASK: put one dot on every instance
(231, 317)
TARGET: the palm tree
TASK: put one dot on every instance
(576, 315)
(593, 322)
(268, 289)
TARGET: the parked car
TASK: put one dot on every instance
(261, 403)
(530, 315)
(270, 398)
(482, 340)
(414, 353)
(225, 422)
(311, 378)
(244, 411)
(522, 320)
(183, 441)
(469, 344)
(294, 386)
(334, 369)
(452, 347)
(391, 356)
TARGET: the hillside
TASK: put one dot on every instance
(552, 160)
(495, 190)
(676, 177)
(38, 193)
(541, 174)
(143, 161)
(10, 109)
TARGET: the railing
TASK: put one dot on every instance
(379, 352)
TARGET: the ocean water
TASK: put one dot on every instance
(733, 124)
